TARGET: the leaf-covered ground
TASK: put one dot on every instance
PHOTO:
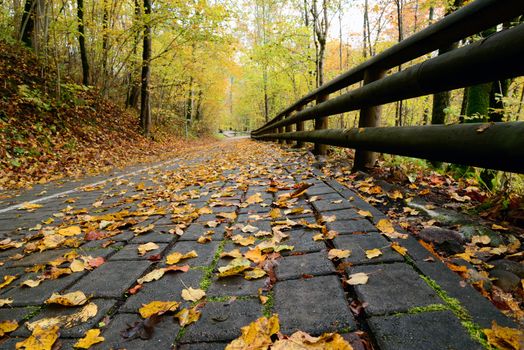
(210, 233)
(44, 138)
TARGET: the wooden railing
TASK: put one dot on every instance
(497, 57)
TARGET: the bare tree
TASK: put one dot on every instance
(82, 42)
(145, 106)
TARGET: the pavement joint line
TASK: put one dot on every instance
(76, 189)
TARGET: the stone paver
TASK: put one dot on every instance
(296, 266)
(111, 279)
(304, 304)
(393, 288)
(221, 321)
(304, 287)
(429, 331)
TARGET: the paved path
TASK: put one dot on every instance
(408, 302)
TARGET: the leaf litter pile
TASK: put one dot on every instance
(212, 192)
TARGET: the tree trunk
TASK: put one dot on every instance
(145, 107)
(134, 85)
(82, 42)
(28, 23)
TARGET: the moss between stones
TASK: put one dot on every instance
(268, 306)
(428, 308)
(34, 310)
(208, 270)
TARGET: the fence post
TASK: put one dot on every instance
(369, 117)
(299, 127)
(281, 129)
(320, 123)
(289, 128)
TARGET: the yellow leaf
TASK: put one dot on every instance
(399, 249)
(235, 253)
(191, 294)
(7, 327)
(358, 278)
(249, 229)
(205, 210)
(338, 253)
(31, 283)
(396, 194)
(140, 186)
(256, 198)
(255, 255)
(243, 241)
(504, 338)
(70, 231)
(303, 341)
(365, 213)
(235, 267)
(40, 339)
(330, 218)
(30, 206)
(65, 321)
(4, 302)
(484, 239)
(77, 265)
(498, 227)
(373, 253)
(386, 227)
(142, 229)
(7, 280)
(187, 316)
(275, 213)
(92, 337)
(70, 299)
(254, 274)
(212, 224)
(175, 257)
(256, 335)
(146, 247)
(157, 308)
(319, 237)
(231, 216)
(204, 239)
(152, 276)
(51, 241)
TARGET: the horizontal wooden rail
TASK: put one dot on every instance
(495, 58)
(471, 19)
(496, 146)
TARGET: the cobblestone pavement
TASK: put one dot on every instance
(224, 194)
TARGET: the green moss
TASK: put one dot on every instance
(428, 308)
(179, 336)
(208, 270)
(474, 330)
(268, 306)
(33, 311)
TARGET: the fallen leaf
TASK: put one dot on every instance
(254, 274)
(484, 127)
(135, 289)
(373, 253)
(256, 335)
(6, 301)
(386, 227)
(96, 262)
(338, 254)
(157, 308)
(142, 229)
(498, 227)
(40, 339)
(70, 231)
(235, 267)
(357, 278)
(484, 240)
(365, 213)
(303, 341)
(204, 239)
(30, 206)
(91, 337)
(231, 216)
(177, 268)
(7, 327)
(187, 316)
(255, 255)
(249, 229)
(235, 253)
(77, 265)
(398, 248)
(243, 241)
(319, 237)
(175, 257)
(146, 247)
(396, 194)
(7, 280)
(65, 321)
(275, 213)
(256, 198)
(31, 283)
(70, 299)
(504, 338)
(191, 294)
(152, 276)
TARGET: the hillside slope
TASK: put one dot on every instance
(43, 137)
